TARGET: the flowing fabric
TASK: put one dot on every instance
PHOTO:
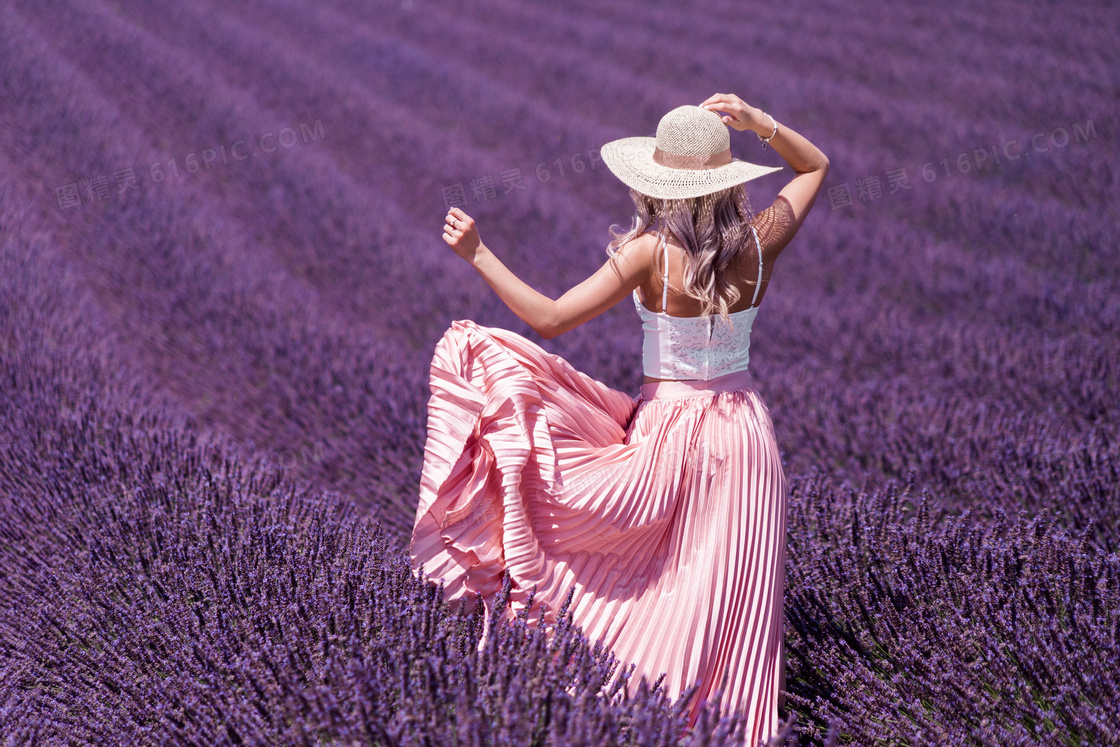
(666, 512)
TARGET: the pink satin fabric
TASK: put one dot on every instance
(667, 512)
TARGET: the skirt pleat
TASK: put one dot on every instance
(666, 512)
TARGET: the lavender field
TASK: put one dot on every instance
(222, 279)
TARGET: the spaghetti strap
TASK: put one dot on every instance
(665, 279)
(759, 283)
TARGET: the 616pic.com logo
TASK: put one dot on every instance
(870, 188)
(98, 187)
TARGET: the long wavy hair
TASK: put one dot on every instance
(713, 229)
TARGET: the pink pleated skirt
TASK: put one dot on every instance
(666, 512)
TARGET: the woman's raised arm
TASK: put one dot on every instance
(806, 159)
(618, 276)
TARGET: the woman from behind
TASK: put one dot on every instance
(662, 514)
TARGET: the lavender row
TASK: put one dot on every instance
(976, 633)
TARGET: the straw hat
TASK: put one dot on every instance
(690, 157)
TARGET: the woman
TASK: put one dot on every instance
(666, 512)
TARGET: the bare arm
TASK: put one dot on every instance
(607, 286)
(807, 161)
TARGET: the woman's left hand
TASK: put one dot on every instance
(460, 234)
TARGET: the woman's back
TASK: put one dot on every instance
(774, 226)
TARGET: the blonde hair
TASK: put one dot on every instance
(714, 230)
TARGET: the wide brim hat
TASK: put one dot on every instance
(689, 157)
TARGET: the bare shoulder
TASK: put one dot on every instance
(639, 250)
(776, 226)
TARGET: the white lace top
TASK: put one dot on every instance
(696, 347)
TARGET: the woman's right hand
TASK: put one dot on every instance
(738, 113)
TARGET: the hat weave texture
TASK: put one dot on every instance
(690, 157)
